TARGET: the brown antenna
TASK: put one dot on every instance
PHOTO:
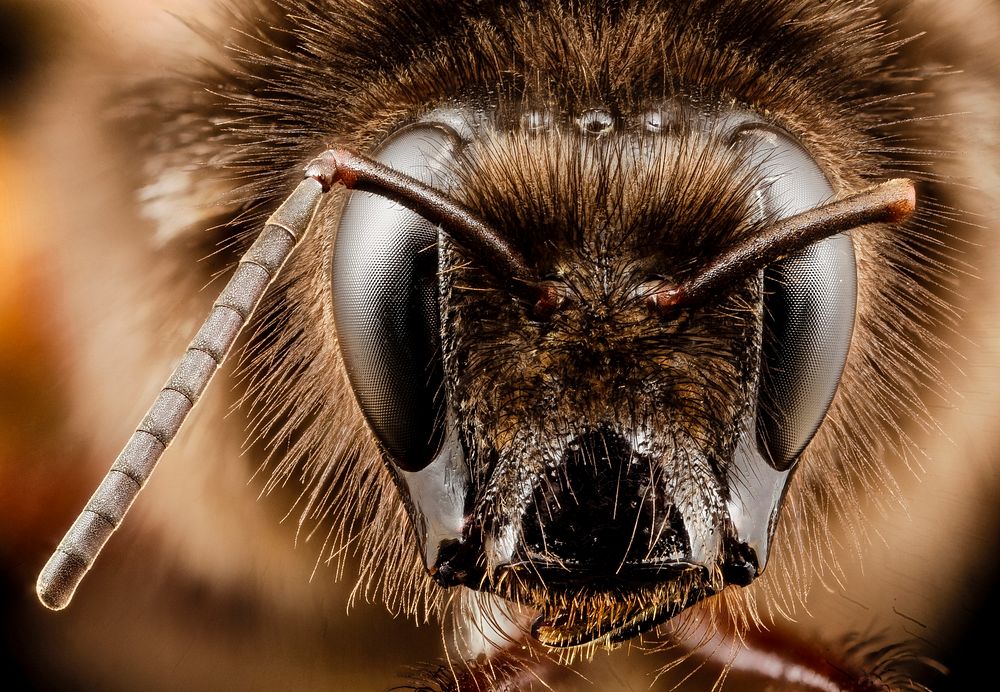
(888, 202)
(495, 252)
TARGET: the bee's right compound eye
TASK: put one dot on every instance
(386, 310)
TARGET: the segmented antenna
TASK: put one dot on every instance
(104, 512)
(107, 507)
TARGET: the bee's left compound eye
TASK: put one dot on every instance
(809, 305)
(386, 300)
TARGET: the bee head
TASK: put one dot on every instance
(603, 438)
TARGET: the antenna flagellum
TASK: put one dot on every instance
(107, 507)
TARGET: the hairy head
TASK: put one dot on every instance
(582, 454)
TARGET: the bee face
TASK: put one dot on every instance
(581, 446)
(598, 457)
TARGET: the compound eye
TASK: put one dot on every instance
(809, 304)
(386, 307)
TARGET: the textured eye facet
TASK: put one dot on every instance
(809, 305)
(386, 300)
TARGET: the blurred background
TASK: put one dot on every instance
(205, 588)
(72, 307)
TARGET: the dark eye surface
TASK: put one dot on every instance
(809, 305)
(386, 300)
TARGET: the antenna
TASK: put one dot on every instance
(889, 202)
(106, 509)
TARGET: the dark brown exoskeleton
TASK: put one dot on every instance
(616, 283)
